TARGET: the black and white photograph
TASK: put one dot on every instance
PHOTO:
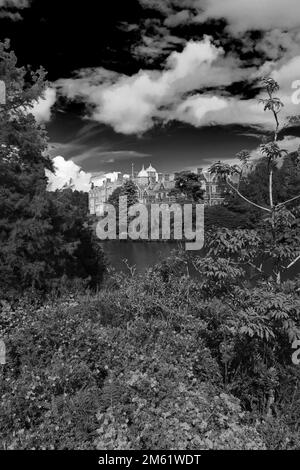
(149, 230)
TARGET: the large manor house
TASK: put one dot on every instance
(153, 187)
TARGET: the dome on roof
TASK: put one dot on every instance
(143, 173)
(150, 169)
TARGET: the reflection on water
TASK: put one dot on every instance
(143, 255)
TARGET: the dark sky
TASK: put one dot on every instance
(105, 51)
(64, 36)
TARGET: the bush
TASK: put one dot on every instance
(51, 383)
(152, 361)
(163, 392)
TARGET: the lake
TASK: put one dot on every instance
(144, 255)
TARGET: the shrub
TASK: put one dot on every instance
(152, 361)
(51, 383)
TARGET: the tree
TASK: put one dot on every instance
(188, 185)
(41, 234)
(289, 173)
(253, 185)
(128, 189)
(259, 320)
(81, 253)
(279, 230)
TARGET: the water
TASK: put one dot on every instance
(143, 255)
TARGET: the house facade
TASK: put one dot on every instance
(213, 186)
(152, 187)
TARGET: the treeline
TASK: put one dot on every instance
(255, 186)
(234, 212)
(45, 241)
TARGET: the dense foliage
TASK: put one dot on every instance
(254, 185)
(44, 241)
(188, 187)
(128, 190)
(154, 361)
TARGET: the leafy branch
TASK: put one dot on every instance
(270, 151)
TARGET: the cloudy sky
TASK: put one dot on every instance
(174, 82)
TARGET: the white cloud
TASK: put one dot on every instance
(164, 6)
(195, 109)
(200, 110)
(278, 22)
(17, 4)
(244, 112)
(245, 15)
(277, 44)
(66, 170)
(288, 72)
(191, 86)
(159, 44)
(132, 104)
(99, 180)
(12, 16)
(42, 108)
(181, 17)
(290, 143)
(241, 15)
(8, 8)
(117, 155)
(168, 6)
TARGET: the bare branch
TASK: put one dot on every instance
(246, 199)
(288, 201)
(293, 262)
(271, 188)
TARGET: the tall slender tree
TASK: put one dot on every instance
(279, 231)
